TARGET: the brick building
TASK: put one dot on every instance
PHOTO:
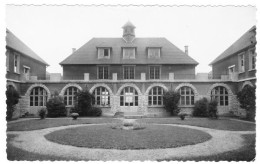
(130, 74)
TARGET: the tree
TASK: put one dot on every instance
(12, 98)
(84, 100)
(171, 101)
(246, 98)
(201, 108)
(55, 106)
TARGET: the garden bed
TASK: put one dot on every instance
(152, 137)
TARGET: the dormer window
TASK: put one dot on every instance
(103, 53)
(154, 53)
(128, 53)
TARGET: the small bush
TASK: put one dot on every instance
(182, 115)
(247, 99)
(213, 109)
(201, 108)
(171, 101)
(42, 112)
(12, 98)
(94, 112)
(55, 106)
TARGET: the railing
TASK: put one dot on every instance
(142, 77)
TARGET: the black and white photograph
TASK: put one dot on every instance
(129, 82)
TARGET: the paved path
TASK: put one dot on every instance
(221, 141)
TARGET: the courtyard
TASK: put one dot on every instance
(156, 139)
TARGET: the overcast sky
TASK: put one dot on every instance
(52, 31)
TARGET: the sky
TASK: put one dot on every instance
(52, 31)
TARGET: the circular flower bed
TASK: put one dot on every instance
(152, 137)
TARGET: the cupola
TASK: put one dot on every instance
(128, 32)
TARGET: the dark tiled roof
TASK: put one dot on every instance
(244, 41)
(13, 42)
(170, 54)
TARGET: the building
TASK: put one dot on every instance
(130, 75)
(238, 62)
(22, 63)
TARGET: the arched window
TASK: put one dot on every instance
(221, 95)
(38, 97)
(128, 97)
(101, 96)
(187, 96)
(69, 95)
(155, 96)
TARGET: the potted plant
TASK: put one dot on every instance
(182, 116)
(42, 112)
(74, 115)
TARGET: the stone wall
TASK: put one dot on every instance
(201, 89)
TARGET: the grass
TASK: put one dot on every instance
(220, 124)
(16, 154)
(152, 137)
(35, 124)
(246, 153)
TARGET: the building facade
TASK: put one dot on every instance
(130, 75)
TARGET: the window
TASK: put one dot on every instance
(128, 97)
(231, 69)
(155, 96)
(129, 53)
(26, 72)
(38, 97)
(154, 53)
(252, 59)
(16, 63)
(69, 95)
(101, 96)
(242, 63)
(102, 72)
(221, 95)
(187, 96)
(155, 72)
(103, 53)
(7, 60)
(129, 72)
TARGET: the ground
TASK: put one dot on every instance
(93, 138)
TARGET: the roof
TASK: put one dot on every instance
(15, 43)
(128, 24)
(170, 54)
(244, 41)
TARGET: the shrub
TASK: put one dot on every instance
(201, 108)
(42, 112)
(12, 98)
(94, 112)
(213, 109)
(83, 104)
(55, 106)
(182, 115)
(171, 100)
(247, 98)
(119, 114)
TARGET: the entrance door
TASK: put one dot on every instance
(129, 100)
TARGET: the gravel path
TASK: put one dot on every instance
(221, 141)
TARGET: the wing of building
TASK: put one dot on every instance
(21, 61)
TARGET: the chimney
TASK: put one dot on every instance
(73, 50)
(186, 50)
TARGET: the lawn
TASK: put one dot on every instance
(246, 153)
(220, 124)
(152, 137)
(35, 124)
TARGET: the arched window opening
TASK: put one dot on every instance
(128, 97)
(38, 97)
(187, 96)
(69, 95)
(220, 94)
(155, 96)
(102, 97)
